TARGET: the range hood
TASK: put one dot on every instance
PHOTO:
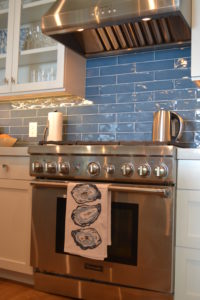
(102, 27)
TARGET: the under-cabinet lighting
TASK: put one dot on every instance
(80, 29)
(146, 19)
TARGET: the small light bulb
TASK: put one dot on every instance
(146, 19)
(80, 29)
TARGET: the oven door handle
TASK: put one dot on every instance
(158, 191)
(112, 187)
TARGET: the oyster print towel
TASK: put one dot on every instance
(88, 220)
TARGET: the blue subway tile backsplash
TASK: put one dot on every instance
(126, 90)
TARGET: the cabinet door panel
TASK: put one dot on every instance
(187, 274)
(6, 30)
(188, 219)
(15, 225)
(36, 57)
(188, 174)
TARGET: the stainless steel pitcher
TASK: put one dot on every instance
(164, 126)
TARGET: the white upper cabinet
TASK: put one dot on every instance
(195, 66)
(31, 61)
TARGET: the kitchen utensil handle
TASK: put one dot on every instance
(181, 124)
(112, 187)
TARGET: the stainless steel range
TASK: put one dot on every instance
(142, 181)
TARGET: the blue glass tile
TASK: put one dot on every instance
(192, 126)
(131, 97)
(173, 53)
(98, 137)
(82, 128)
(154, 106)
(120, 88)
(184, 84)
(100, 118)
(100, 80)
(153, 86)
(134, 136)
(122, 69)
(143, 127)
(92, 72)
(172, 74)
(101, 99)
(92, 91)
(84, 110)
(73, 120)
(187, 105)
(102, 61)
(111, 108)
(156, 65)
(187, 114)
(137, 77)
(136, 57)
(120, 127)
(72, 137)
(175, 94)
(135, 117)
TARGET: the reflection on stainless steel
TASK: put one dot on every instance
(164, 126)
(140, 263)
(165, 18)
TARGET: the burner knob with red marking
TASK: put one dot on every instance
(93, 169)
(51, 167)
(64, 168)
(37, 167)
(110, 169)
(144, 170)
(127, 169)
(161, 171)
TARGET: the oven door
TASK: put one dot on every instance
(141, 254)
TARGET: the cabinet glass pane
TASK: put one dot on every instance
(3, 39)
(38, 53)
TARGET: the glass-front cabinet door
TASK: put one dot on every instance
(6, 26)
(37, 59)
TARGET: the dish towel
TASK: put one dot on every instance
(88, 220)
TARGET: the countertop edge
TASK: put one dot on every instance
(14, 151)
(188, 154)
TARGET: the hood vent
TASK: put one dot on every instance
(150, 24)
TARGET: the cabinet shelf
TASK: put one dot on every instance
(38, 55)
(32, 12)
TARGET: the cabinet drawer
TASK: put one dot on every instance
(14, 167)
(188, 219)
(189, 174)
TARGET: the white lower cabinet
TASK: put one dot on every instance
(187, 259)
(187, 277)
(15, 225)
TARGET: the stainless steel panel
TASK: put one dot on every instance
(88, 290)
(114, 18)
(154, 270)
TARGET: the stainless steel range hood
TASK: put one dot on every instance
(99, 27)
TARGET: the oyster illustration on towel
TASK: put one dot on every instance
(85, 192)
(85, 215)
(87, 238)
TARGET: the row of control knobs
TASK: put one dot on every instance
(94, 169)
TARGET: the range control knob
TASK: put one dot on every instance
(127, 169)
(37, 167)
(51, 167)
(64, 168)
(144, 170)
(110, 169)
(161, 171)
(93, 169)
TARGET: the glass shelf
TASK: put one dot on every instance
(38, 55)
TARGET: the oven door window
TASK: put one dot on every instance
(124, 231)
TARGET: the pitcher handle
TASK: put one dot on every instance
(181, 125)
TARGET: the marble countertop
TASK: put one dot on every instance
(188, 153)
(14, 151)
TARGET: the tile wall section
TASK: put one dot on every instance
(125, 91)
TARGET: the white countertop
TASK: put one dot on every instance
(14, 151)
(188, 153)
